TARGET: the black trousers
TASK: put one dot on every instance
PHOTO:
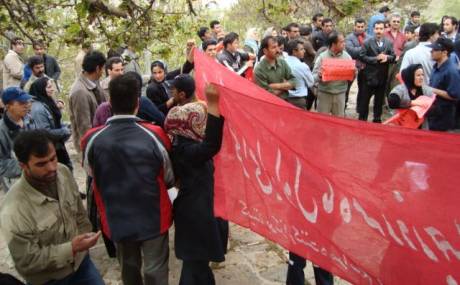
(296, 276)
(196, 272)
(364, 98)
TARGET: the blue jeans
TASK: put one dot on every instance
(85, 275)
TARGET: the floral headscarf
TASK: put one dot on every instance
(187, 121)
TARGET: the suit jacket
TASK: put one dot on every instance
(52, 68)
(376, 72)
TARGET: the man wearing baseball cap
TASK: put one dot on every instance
(15, 120)
(444, 77)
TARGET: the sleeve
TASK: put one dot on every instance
(81, 109)
(394, 101)
(149, 112)
(210, 146)
(367, 58)
(288, 75)
(453, 88)
(14, 66)
(351, 48)
(83, 223)
(309, 48)
(9, 167)
(29, 256)
(308, 76)
(187, 67)
(397, 99)
(317, 68)
(57, 70)
(261, 79)
(155, 98)
(405, 61)
(391, 53)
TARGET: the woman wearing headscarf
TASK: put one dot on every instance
(47, 115)
(197, 138)
(405, 95)
(159, 88)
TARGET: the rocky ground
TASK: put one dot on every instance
(251, 258)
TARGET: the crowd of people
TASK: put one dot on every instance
(139, 135)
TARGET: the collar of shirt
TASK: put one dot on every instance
(90, 85)
(443, 66)
(34, 195)
(121, 117)
(271, 66)
(334, 54)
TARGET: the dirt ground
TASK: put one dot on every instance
(251, 258)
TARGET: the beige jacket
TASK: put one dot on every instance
(13, 69)
(39, 229)
(85, 96)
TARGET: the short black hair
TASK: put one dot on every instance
(291, 25)
(207, 43)
(414, 13)
(124, 90)
(202, 31)
(213, 23)
(113, 60)
(452, 19)
(378, 22)
(427, 30)
(360, 21)
(92, 60)
(333, 38)
(35, 60)
(316, 16)
(325, 21)
(282, 41)
(292, 45)
(409, 29)
(15, 41)
(265, 41)
(230, 38)
(384, 9)
(305, 30)
(32, 142)
(37, 44)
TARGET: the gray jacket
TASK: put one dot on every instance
(43, 119)
(9, 165)
(354, 48)
(404, 97)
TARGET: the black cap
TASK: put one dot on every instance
(185, 83)
(442, 44)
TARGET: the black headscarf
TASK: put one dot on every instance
(38, 90)
(408, 76)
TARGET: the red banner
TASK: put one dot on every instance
(338, 69)
(373, 204)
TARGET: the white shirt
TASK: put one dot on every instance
(421, 54)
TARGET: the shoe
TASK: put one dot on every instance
(378, 121)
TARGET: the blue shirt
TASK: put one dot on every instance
(442, 115)
(302, 74)
(372, 20)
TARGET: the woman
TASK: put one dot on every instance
(199, 237)
(47, 115)
(405, 95)
(159, 89)
(251, 43)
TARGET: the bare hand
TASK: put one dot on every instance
(250, 63)
(85, 241)
(170, 102)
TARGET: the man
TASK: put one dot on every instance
(450, 25)
(86, 95)
(114, 68)
(377, 54)
(445, 77)
(301, 72)
(85, 48)
(421, 54)
(380, 16)
(273, 73)
(130, 58)
(411, 39)
(216, 29)
(293, 31)
(37, 66)
(331, 94)
(43, 219)
(13, 64)
(231, 58)
(52, 69)
(133, 200)
(15, 120)
(319, 39)
(354, 43)
(204, 34)
(310, 53)
(414, 21)
(395, 36)
(317, 23)
(210, 48)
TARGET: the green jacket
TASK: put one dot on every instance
(330, 87)
(39, 229)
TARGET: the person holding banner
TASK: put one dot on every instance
(197, 133)
(331, 94)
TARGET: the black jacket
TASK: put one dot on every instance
(197, 235)
(375, 72)
(51, 67)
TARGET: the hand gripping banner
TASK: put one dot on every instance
(373, 204)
